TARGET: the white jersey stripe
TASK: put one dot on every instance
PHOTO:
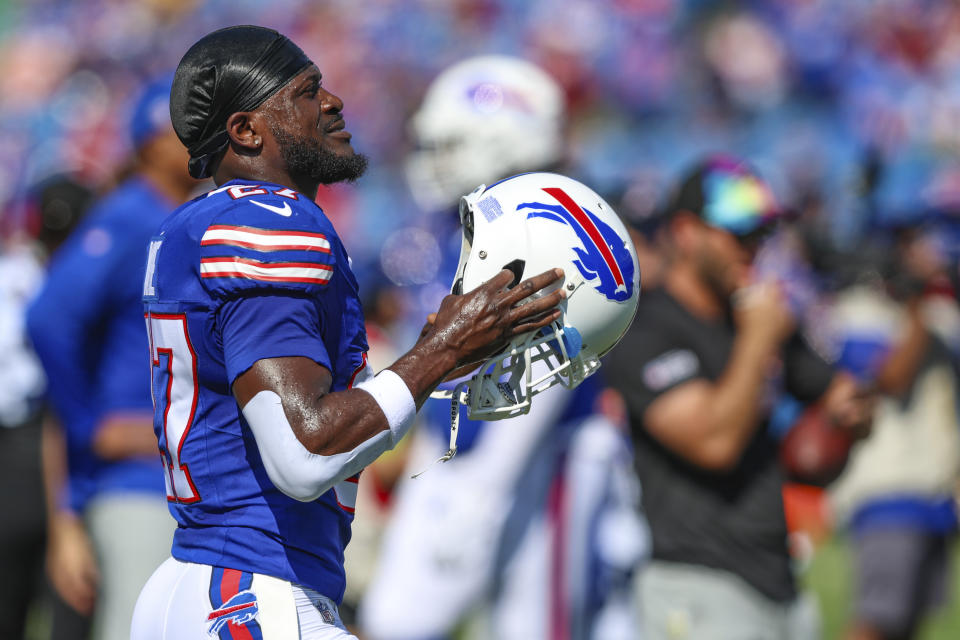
(276, 241)
(228, 267)
(346, 494)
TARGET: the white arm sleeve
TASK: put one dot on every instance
(291, 467)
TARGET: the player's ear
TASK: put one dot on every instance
(242, 127)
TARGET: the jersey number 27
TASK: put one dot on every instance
(174, 384)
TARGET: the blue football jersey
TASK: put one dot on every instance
(246, 272)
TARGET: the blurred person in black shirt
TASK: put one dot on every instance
(699, 369)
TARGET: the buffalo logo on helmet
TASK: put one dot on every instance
(602, 253)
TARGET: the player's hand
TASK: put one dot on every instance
(761, 311)
(476, 324)
(459, 372)
(71, 564)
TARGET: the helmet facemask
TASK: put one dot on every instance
(505, 384)
(535, 362)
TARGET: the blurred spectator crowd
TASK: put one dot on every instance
(811, 91)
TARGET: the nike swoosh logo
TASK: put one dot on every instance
(284, 211)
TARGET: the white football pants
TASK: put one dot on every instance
(187, 601)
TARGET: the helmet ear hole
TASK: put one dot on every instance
(468, 225)
(516, 268)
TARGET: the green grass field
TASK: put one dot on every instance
(830, 578)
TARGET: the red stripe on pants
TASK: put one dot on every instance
(229, 587)
(239, 632)
(229, 584)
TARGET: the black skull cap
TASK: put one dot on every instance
(227, 71)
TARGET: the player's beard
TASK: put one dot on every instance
(308, 158)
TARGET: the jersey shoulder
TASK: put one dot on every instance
(259, 238)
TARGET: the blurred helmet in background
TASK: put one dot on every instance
(529, 224)
(481, 120)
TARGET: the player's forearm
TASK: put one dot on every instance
(309, 442)
(324, 422)
(337, 422)
(293, 468)
(308, 445)
(330, 423)
(343, 420)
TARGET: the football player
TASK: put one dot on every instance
(265, 409)
(509, 526)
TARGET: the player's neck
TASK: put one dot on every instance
(307, 188)
(260, 169)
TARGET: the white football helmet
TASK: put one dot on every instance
(531, 223)
(482, 119)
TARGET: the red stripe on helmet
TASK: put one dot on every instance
(580, 216)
